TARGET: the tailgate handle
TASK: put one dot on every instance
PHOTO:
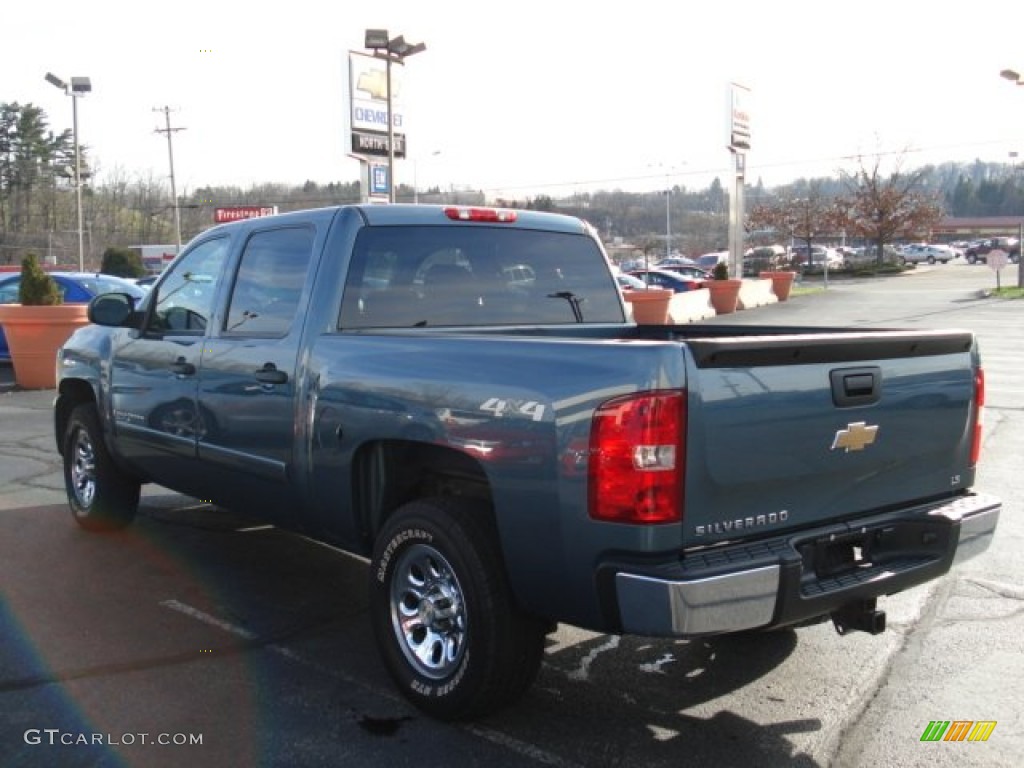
(856, 386)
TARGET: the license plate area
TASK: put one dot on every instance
(846, 558)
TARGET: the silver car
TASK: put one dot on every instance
(916, 253)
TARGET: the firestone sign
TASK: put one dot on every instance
(239, 212)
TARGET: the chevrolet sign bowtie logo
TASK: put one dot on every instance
(855, 437)
(375, 83)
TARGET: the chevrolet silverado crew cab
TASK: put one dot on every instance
(457, 395)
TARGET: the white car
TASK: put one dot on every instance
(918, 252)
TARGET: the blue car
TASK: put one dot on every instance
(666, 278)
(77, 288)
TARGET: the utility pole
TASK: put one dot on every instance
(170, 155)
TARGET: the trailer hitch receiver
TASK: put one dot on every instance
(859, 615)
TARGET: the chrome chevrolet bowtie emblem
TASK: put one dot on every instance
(855, 436)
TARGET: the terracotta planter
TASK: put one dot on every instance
(34, 334)
(782, 283)
(725, 295)
(649, 307)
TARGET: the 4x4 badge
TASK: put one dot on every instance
(855, 436)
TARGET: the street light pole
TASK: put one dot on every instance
(391, 137)
(668, 223)
(1015, 77)
(669, 170)
(78, 85)
(393, 51)
(78, 180)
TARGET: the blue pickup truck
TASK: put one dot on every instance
(457, 395)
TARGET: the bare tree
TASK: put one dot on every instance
(803, 218)
(882, 207)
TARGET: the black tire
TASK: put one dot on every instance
(101, 496)
(464, 648)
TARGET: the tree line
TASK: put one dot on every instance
(38, 210)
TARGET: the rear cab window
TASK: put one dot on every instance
(430, 276)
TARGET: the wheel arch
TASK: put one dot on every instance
(389, 473)
(70, 394)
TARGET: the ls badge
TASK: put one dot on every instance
(855, 437)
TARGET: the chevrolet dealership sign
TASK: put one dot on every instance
(367, 109)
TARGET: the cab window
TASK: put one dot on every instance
(184, 303)
(268, 285)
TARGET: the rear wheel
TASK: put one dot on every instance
(101, 496)
(449, 631)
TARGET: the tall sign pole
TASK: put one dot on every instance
(739, 145)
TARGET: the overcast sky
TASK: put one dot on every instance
(526, 97)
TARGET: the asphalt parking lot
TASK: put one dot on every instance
(199, 624)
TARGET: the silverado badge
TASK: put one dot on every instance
(855, 437)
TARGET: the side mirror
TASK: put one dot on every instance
(116, 310)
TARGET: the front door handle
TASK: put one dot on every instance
(269, 374)
(182, 368)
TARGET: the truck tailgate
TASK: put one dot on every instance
(790, 431)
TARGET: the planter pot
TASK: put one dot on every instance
(649, 307)
(34, 334)
(782, 283)
(725, 295)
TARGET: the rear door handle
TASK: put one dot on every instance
(181, 367)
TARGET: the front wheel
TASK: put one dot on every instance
(101, 496)
(444, 617)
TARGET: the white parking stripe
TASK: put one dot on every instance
(495, 737)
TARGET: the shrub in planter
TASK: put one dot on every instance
(725, 291)
(38, 326)
(37, 288)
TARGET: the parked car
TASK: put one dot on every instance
(672, 262)
(764, 258)
(915, 253)
(628, 282)
(977, 252)
(76, 287)
(691, 272)
(820, 256)
(666, 278)
(710, 260)
(867, 256)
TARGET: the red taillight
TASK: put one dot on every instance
(636, 463)
(979, 414)
(462, 213)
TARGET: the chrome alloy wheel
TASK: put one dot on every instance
(83, 469)
(428, 613)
